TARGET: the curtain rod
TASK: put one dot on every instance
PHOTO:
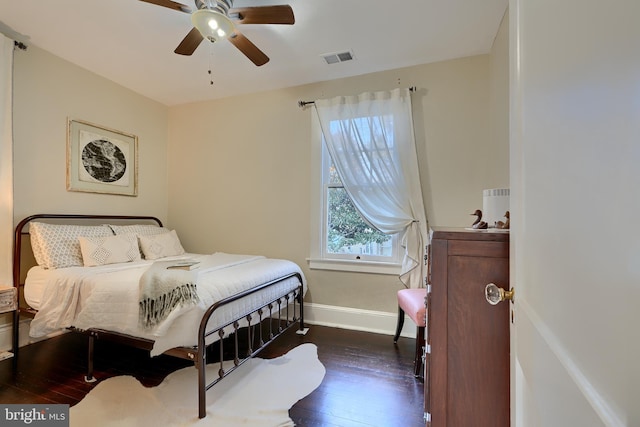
(302, 104)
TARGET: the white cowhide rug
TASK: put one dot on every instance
(258, 394)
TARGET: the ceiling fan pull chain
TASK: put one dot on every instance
(210, 62)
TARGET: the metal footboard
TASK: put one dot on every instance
(258, 336)
(265, 323)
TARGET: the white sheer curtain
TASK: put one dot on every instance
(6, 160)
(371, 142)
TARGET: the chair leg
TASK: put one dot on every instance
(420, 342)
(399, 325)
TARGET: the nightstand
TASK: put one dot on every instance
(8, 303)
(8, 299)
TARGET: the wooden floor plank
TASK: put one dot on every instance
(369, 380)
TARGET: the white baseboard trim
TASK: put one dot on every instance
(378, 322)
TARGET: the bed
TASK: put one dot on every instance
(128, 279)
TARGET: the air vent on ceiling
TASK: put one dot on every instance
(334, 58)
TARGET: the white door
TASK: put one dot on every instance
(575, 205)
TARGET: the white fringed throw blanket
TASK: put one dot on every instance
(162, 290)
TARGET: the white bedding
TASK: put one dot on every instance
(106, 297)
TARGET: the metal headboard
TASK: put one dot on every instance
(20, 232)
(55, 218)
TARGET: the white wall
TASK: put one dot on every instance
(575, 155)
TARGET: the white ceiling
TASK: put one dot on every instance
(131, 42)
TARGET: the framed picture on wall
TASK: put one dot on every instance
(101, 160)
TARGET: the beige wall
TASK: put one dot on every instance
(47, 90)
(239, 167)
(233, 174)
(499, 72)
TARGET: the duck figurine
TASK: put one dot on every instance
(479, 224)
(504, 225)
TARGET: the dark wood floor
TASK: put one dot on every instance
(369, 381)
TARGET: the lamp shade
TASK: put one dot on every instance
(495, 203)
(212, 25)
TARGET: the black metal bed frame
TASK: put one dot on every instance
(257, 333)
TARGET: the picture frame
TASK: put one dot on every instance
(101, 160)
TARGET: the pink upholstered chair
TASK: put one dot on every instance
(411, 302)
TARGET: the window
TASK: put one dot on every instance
(343, 239)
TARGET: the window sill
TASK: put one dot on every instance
(354, 266)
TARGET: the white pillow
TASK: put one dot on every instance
(109, 250)
(156, 246)
(139, 229)
(57, 245)
(36, 246)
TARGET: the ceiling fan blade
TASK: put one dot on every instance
(189, 44)
(249, 49)
(263, 15)
(170, 4)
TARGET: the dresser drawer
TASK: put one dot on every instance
(8, 299)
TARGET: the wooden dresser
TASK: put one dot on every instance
(467, 361)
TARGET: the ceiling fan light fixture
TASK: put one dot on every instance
(212, 25)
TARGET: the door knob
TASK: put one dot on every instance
(495, 294)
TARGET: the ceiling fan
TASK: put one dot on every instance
(217, 20)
